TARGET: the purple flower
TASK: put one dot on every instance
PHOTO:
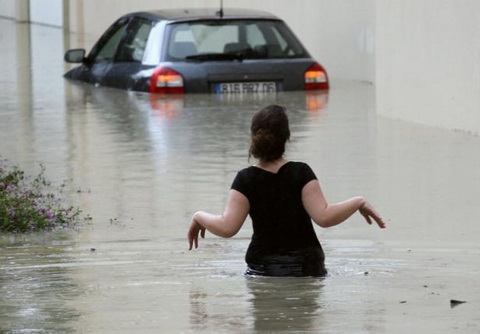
(10, 188)
(49, 214)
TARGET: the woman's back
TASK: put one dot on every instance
(280, 223)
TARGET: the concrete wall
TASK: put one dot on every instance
(48, 12)
(53, 16)
(428, 62)
(7, 8)
(339, 34)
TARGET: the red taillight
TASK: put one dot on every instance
(166, 81)
(316, 77)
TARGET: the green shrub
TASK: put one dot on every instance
(30, 204)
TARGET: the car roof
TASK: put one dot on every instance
(192, 14)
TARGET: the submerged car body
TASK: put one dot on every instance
(199, 51)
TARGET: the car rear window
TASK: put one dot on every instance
(250, 39)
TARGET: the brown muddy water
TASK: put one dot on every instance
(141, 165)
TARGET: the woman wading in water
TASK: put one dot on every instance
(282, 198)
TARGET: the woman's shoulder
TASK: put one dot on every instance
(302, 171)
(246, 171)
(298, 164)
(292, 166)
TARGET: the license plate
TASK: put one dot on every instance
(245, 87)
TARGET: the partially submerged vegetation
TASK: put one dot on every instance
(29, 204)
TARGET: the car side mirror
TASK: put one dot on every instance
(75, 56)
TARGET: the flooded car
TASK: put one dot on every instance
(230, 51)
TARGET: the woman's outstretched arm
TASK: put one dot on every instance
(225, 225)
(327, 215)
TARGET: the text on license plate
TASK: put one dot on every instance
(245, 87)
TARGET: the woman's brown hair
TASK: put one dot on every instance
(270, 132)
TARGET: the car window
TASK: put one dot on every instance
(132, 45)
(287, 41)
(107, 45)
(248, 38)
(255, 35)
(213, 38)
(182, 42)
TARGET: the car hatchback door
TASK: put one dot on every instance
(238, 55)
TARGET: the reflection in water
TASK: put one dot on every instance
(168, 106)
(285, 304)
(199, 317)
(268, 304)
(36, 289)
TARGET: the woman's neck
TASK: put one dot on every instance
(271, 166)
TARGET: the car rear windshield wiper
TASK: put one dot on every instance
(215, 56)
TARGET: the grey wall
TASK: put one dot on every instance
(49, 12)
(7, 8)
(428, 62)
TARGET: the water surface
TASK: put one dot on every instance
(142, 165)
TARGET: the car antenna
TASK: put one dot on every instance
(220, 12)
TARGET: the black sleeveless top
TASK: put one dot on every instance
(283, 233)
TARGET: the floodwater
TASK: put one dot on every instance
(141, 166)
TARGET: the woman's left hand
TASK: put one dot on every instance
(193, 231)
(369, 213)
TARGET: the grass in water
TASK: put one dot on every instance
(29, 204)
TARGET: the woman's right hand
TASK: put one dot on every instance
(193, 232)
(369, 213)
